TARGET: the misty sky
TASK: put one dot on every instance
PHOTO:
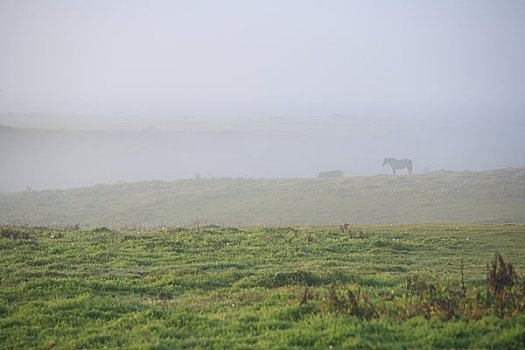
(420, 59)
(442, 82)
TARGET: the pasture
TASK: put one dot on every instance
(383, 286)
(496, 196)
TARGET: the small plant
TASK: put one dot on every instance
(346, 228)
(14, 232)
(501, 278)
(362, 234)
(101, 229)
(307, 296)
(308, 237)
(298, 277)
(164, 296)
(175, 229)
(57, 235)
(351, 302)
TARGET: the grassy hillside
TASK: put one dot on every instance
(496, 196)
(385, 287)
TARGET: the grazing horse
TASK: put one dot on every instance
(398, 164)
(331, 173)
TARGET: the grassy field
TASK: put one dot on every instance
(382, 286)
(496, 196)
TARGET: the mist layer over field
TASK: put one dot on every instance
(262, 148)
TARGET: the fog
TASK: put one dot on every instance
(101, 92)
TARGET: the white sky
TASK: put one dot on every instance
(416, 59)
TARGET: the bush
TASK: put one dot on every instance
(505, 297)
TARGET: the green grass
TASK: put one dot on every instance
(496, 196)
(244, 288)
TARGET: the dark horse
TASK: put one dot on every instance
(398, 164)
